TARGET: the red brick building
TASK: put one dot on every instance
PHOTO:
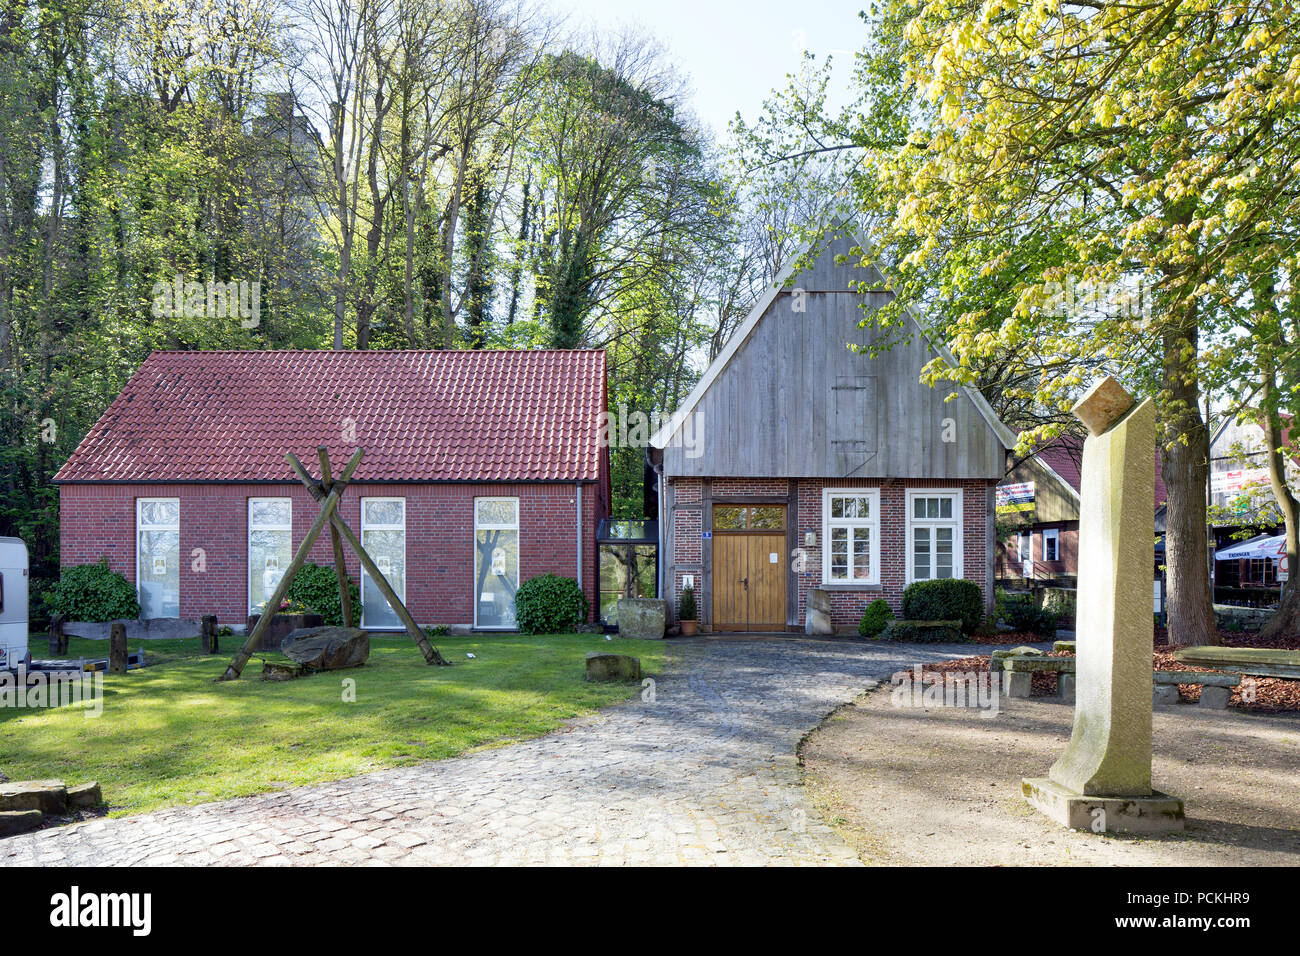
(481, 469)
(811, 456)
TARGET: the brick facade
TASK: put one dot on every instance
(98, 520)
(1065, 569)
(689, 499)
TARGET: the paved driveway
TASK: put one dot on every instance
(703, 774)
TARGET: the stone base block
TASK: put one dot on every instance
(1158, 813)
(613, 667)
(1215, 698)
(1017, 683)
(1065, 688)
(14, 822)
(1165, 694)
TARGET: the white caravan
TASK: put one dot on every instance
(13, 604)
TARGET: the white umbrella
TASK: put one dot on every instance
(1264, 546)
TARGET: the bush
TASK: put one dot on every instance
(925, 632)
(318, 588)
(1020, 613)
(550, 604)
(946, 599)
(686, 609)
(93, 592)
(874, 619)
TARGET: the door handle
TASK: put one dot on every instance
(745, 582)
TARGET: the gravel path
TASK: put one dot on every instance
(705, 773)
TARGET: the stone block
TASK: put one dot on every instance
(14, 822)
(1215, 698)
(1065, 688)
(817, 621)
(613, 667)
(1017, 683)
(47, 796)
(642, 619)
(85, 796)
(1165, 694)
(326, 648)
(1153, 814)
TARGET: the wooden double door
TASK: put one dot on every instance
(749, 569)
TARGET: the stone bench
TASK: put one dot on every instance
(1216, 687)
(1018, 674)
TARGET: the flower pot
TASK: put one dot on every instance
(688, 628)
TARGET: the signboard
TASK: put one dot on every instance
(1227, 482)
(1017, 497)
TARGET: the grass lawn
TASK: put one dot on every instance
(169, 734)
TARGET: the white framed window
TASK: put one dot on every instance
(496, 561)
(851, 536)
(158, 556)
(383, 535)
(933, 534)
(1051, 545)
(270, 547)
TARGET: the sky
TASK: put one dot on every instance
(735, 53)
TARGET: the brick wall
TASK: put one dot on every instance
(99, 520)
(847, 602)
(1009, 567)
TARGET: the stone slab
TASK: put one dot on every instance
(47, 796)
(151, 629)
(1158, 813)
(1204, 678)
(85, 796)
(642, 619)
(14, 822)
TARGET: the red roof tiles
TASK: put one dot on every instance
(420, 415)
(1065, 457)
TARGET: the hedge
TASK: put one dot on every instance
(945, 599)
(93, 592)
(550, 604)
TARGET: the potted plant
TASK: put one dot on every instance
(686, 612)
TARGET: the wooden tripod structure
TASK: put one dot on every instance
(328, 491)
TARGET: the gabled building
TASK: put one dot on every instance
(481, 470)
(800, 461)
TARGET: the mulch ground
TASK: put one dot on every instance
(1266, 695)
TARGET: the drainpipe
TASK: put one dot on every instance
(663, 534)
(579, 536)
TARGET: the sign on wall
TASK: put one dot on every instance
(1015, 498)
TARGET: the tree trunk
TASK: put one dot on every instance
(1186, 471)
(1285, 622)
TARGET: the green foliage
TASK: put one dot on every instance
(550, 604)
(946, 599)
(317, 588)
(874, 619)
(686, 609)
(93, 592)
(1018, 611)
(925, 632)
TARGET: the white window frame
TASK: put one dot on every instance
(496, 526)
(365, 601)
(956, 522)
(139, 502)
(248, 538)
(1053, 535)
(872, 524)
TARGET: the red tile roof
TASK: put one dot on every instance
(420, 415)
(1065, 457)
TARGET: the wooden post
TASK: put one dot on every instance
(209, 634)
(268, 610)
(117, 647)
(431, 655)
(345, 596)
(58, 641)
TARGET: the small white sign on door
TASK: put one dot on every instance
(771, 557)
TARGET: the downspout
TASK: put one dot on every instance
(663, 543)
(579, 536)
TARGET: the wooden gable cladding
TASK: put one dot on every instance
(792, 400)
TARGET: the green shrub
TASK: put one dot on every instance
(93, 592)
(686, 609)
(925, 632)
(874, 619)
(550, 604)
(945, 599)
(1019, 612)
(317, 587)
